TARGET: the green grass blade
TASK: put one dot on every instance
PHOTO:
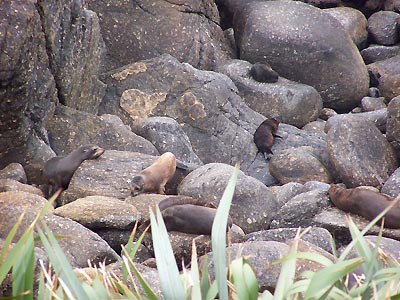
(170, 281)
(212, 291)
(60, 264)
(204, 282)
(146, 287)
(244, 279)
(194, 273)
(23, 271)
(324, 280)
(218, 235)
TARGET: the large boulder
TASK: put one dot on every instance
(393, 124)
(304, 44)
(360, 154)
(139, 30)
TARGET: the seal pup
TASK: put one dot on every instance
(153, 178)
(60, 169)
(262, 72)
(264, 136)
(365, 203)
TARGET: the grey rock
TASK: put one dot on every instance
(284, 193)
(378, 117)
(14, 171)
(374, 92)
(13, 185)
(110, 176)
(301, 209)
(303, 44)
(73, 39)
(388, 74)
(290, 102)
(28, 88)
(376, 53)
(392, 184)
(388, 245)
(96, 212)
(315, 185)
(372, 103)
(189, 31)
(316, 126)
(360, 154)
(167, 135)
(353, 21)
(298, 165)
(315, 235)
(383, 27)
(79, 244)
(70, 128)
(327, 113)
(393, 124)
(253, 204)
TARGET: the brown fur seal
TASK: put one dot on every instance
(153, 178)
(262, 72)
(264, 136)
(60, 169)
(365, 203)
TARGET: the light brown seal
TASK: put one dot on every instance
(153, 178)
(365, 203)
(60, 169)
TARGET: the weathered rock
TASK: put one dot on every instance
(353, 21)
(315, 185)
(298, 165)
(13, 185)
(14, 171)
(143, 202)
(327, 113)
(69, 128)
(374, 92)
(167, 135)
(315, 126)
(360, 154)
(376, 53)
(393, 124)
(135, 31)
(392, 185)
(317, 236)
(253, 204)
(290, 102)
(301, 209)
(372, 103)
(118, 237)
(389, 246)
(73, 41)
(383, 27)
(28, 89)
(78, 243)
(219, 125)
(296, 39)
(284, 193)
(378, 117)
(96, 212)
(388, 74)
(109, 175)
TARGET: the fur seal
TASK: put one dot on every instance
(262, 72)
(188, 215)
(60, 169)
(153, 178)
(264, 136)
(365, 203)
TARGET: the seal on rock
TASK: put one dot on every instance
(153, 178)
(365, 203)
(264, 136)
(60, 169)
(262, 72)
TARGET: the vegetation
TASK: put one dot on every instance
(381, 279)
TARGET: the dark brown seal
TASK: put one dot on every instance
(60, 169)
(264, 136)
(262, 72)
(188, 215)
(153, 178)
(365, 203)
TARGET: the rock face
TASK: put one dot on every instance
(360, 154)
(290, 102)
(383, 27)
(253, 204)
(303, 44)
(393, 124)
(187, 30)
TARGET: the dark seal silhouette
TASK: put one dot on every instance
(365, 203)
(264, 136)
(262, 72)
(60, 169)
